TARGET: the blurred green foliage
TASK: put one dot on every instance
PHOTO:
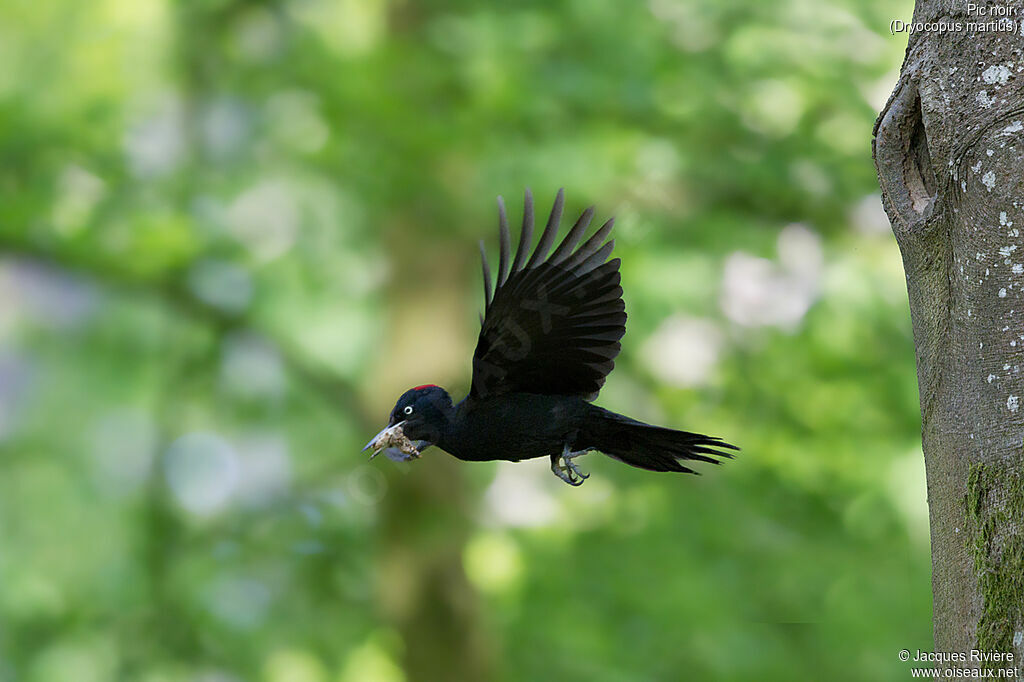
(233, 231)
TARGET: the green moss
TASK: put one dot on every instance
(995, 513)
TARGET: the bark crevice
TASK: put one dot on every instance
(917, 169)
(910, 196)
(903, 159)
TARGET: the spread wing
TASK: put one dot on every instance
(553, 323)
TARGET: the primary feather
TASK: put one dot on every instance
(553, 324)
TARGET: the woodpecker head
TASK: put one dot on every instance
(422, 414)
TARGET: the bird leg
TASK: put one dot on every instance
(563, 472)
(563, 466)
(568, 457)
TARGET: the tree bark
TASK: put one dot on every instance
(948, 149)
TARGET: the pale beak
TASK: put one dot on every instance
(382, 443)
(381, 437)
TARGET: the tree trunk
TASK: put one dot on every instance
(425, 507)
(948, 148)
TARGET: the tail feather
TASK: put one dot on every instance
(654, 448)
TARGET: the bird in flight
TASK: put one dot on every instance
(549, 336)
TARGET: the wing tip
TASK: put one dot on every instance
(486, 268)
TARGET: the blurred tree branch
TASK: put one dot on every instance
(171, 292)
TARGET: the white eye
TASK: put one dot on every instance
(408, 409)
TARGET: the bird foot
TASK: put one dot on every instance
(563, 467)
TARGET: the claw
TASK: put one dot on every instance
(575, 469)
(558, 470)
(563, 467)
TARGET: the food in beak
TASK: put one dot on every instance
(393, 438)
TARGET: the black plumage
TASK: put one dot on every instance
(549, 336)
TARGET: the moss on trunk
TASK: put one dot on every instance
(995, 512)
